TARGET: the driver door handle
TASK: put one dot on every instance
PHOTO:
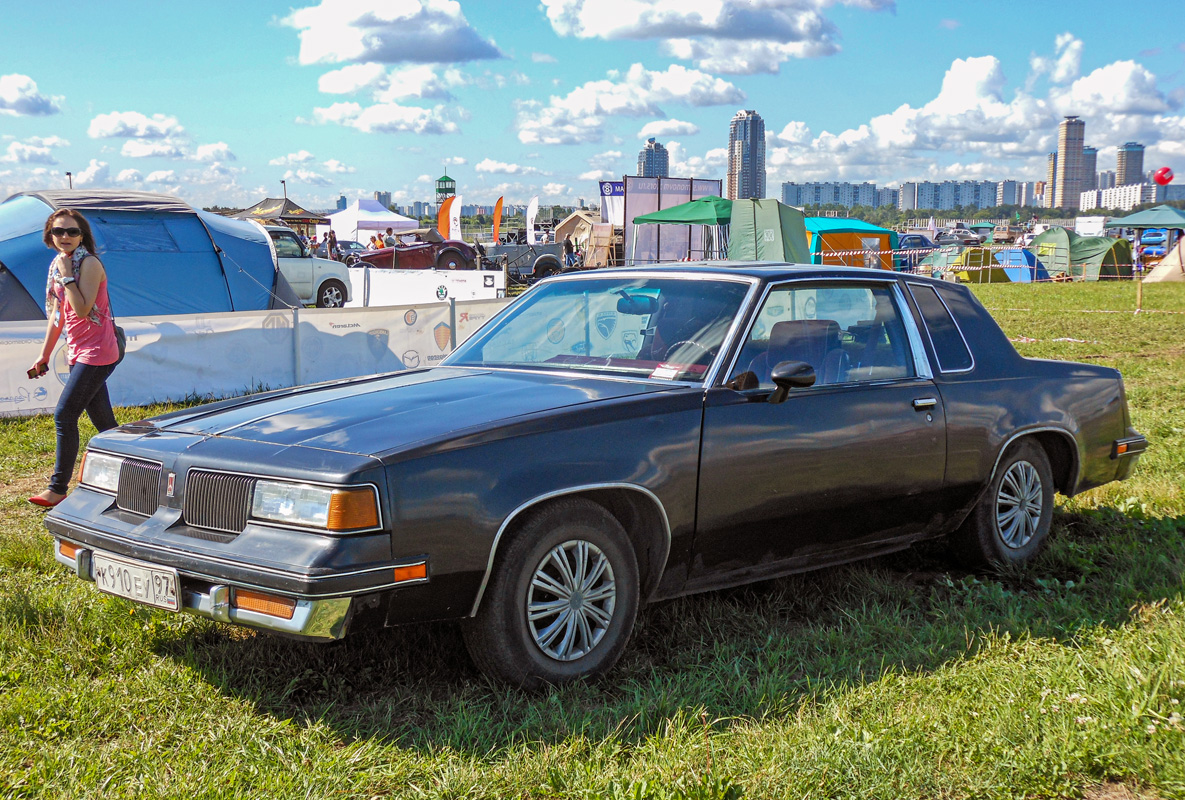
(923, 403)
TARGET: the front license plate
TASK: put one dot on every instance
(135, 580)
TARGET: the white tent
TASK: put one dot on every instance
(362, 218)
(1170, 268)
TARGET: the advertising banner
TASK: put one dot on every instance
(647, 244)
(371, 286)
(532, 212)
(613, 202)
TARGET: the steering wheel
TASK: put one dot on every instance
(704, 351)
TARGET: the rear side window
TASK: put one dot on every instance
(949, 345)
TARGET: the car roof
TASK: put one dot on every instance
(765, 270)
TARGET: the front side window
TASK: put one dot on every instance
(846, 333)
(287, 247)
(663, 328)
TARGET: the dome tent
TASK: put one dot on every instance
(163, 256)
(1088, 258)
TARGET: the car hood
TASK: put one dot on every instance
(381, 415)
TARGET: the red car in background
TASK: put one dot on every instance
(422, 248)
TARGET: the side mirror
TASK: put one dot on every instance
(788, 375)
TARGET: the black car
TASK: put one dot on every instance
(915, 247)
(609, 439)
(347, 251)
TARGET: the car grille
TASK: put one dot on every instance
(139, 487)
(217, 501)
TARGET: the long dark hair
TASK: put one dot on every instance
(88, 238)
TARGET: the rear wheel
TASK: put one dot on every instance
(1012, 520)
(450, 260)
(331, 294)
(562, 599)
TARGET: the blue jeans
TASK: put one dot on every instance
(86, 390)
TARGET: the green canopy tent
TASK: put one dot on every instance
(1158, 217)
(767, 230)
(984, 229)
(1088, 258)
(714, 213)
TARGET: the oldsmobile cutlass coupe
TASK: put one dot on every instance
(609, 439)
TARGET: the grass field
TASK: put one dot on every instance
(902, 677)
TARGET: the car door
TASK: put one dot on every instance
(840, 468)
(294, 262)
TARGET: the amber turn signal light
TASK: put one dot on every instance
(1121, 448)
(351, 509)
(411, 572)
(68, 550)
(270, 604)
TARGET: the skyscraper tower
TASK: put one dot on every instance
(746, 156)
(653, 160)
(1090, 168)
(1068, 189)
(1131, 164)
(1050, 180)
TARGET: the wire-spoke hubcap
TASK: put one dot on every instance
(1019, 504)
(571, 599)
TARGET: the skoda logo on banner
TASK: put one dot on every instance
(441, 292)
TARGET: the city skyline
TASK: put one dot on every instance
(547, 97)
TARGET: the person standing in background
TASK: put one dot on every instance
(331, 245)
(76, 302)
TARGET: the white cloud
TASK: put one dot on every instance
(31, 151)
(420, 81)
(47, 141)
(455, 161)
(217, 151)
(338, 168)
(713, 164)
(144, 148)
(1123, 87)
(543, 58)
(133, 125)
(352, 78)
(162, 176)
(390, 118)
(97, 173)
(299, 157)
(388, 32)
(598, 175)
(503, 168)
(730, 36)
(307, 176)
(1066, 63)
(553, 189)
(129, 176)
(579, 116)
(19, 97)
(669, 127)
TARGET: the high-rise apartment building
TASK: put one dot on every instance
(1050, 180)
(384, 198)
(341, 203)
(746, 156)
(1130, 168)
(653, 160)
(1067, 187)
(1106, 179)
(1090, 168)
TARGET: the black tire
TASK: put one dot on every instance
(507, 646)
(450, 259)
(331, 294)
(547, 269)
(1007, 527)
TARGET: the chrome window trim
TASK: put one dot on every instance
(276, 479)
(865, 279)
(921, 362)
(280, 573)
(513, 515)
(953, 319)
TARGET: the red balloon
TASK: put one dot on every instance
(1163, 176)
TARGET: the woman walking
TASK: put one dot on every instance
(76, 301)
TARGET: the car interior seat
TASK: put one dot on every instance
(815, 341)
(880, 351)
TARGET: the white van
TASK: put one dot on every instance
(318, 281)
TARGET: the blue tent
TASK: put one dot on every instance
(1021, 265)
(161, 255)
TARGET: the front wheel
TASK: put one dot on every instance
(449, 260)
(1012, 520)
(562, 600)
(332, 294)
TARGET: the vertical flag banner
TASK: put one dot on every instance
(442, 216)
(454, 217)
(497, 218)
(532, 212)
(613, 202)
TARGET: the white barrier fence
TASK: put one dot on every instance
(222, 355)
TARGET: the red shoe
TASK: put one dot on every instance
(38, 500)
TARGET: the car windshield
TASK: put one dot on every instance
(666, 328)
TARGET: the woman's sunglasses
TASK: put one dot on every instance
(66, 232)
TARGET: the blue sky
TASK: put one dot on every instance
(217, 102)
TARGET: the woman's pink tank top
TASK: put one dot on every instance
(89, 343)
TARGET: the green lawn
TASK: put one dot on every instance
(902, 677)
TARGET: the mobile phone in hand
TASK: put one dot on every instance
(37, 372)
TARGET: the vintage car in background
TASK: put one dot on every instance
(610, 438)
(422, 248)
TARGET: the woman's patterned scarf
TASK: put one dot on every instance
(76, 258)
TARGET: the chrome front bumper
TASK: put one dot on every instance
(321, 618)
